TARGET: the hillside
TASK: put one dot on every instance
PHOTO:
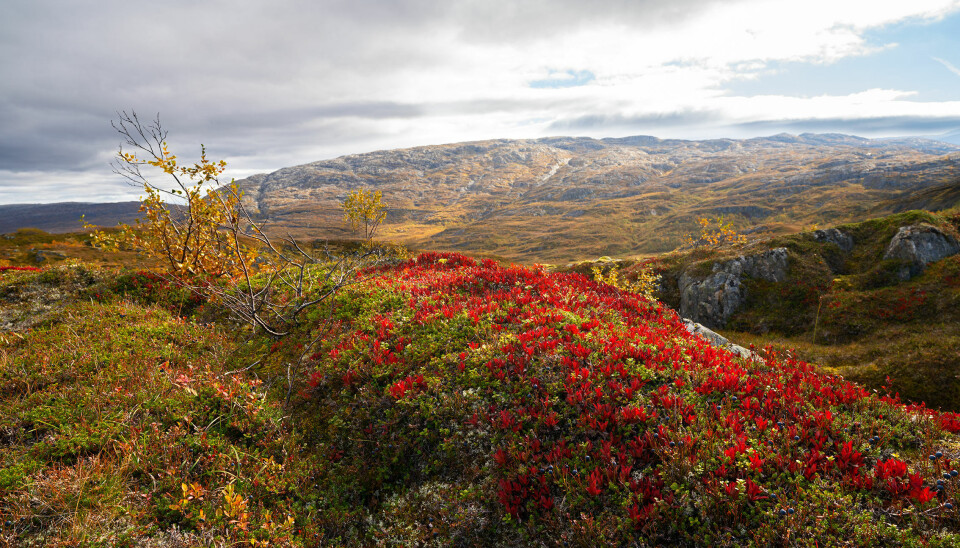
(561, 199)
(65, 216)
(836, 297)
(34, 247)
(447, 401)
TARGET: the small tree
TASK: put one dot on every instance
(185, 234)
(210, 243)
(364, 211)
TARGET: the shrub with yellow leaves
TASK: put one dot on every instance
(647, 282)
(209, 243)
(363, 210)
(714, 232)
(192, 237)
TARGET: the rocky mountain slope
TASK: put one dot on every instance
(564, 198)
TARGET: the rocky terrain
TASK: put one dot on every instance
(877, 301)
(557, 199)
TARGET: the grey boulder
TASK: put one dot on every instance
(919, 245)
(834, 236)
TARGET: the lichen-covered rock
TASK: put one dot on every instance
(919, 245)
(717, 339)
(834, 236)
(712, 300)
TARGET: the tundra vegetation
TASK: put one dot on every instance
(847, 310)
(432, 400)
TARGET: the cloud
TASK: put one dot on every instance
(565, 79)
(638, 122)
(949, 65)
(875, 125)
(268, 85)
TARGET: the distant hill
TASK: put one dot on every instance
(952, 137)
(563, 198)
(65, 216)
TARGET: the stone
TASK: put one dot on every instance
(712, 300)
(834, 236)
(42, 255)
(919, 245)
(716, 339)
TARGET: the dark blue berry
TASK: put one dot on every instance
(948, 506)
(782, 512)
(789, 510)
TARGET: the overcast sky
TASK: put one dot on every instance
(270, 84)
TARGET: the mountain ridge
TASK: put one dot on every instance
(558, 198)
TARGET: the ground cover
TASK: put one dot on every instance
(442, 400)
(848, 310)
(590, 415)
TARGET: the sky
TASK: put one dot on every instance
(271, 84)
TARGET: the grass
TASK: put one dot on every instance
(21, 248)
(110, 405)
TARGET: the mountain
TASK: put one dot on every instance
(563, 198)
(65, 216)
(952, 137)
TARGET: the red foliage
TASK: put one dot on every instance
(573, 379)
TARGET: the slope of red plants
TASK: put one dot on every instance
(464, 401)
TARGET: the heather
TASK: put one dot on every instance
(442, 400)
(849, 310)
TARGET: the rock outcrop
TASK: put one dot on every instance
(712, 300)
(919, 245)
(834, 236)
(717, 339)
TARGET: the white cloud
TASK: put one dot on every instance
(274, 84)
(948, 64)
